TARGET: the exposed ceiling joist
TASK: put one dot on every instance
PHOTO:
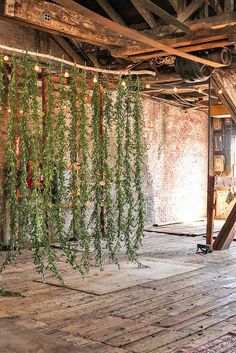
(111, 12)
(68, 49)
(229, 5)
(223, 96)
(157, 10)
(190, 9)
(174, 4)
(147, 15)
(210, 35)
(215, 4)
(130, 33)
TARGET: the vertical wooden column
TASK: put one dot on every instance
(211, 194)
(101, 133)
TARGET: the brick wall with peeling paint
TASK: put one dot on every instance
(175, 171)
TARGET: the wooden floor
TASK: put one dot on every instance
(168, 315)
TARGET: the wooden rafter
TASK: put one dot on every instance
(229, 5)
(68, 49)
(223, 96)
(190, 9)
(130, 33)
(207, 36)
(111, 12)
(215, 4)
(174, 4)
(147, 15)
(157, 10)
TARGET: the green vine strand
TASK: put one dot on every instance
(12, 203)
(83, 172)
(97, 218)
(138, 166)
(73, 166)
(2, 91)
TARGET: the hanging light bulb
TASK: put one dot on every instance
(5, 58)
(220, 91)
(199, 90)
(95, 79)
(148, 86)
(9, 110)
(66, 74)
(175, 89)
(36, 68)
(21, 111)
(123, 83)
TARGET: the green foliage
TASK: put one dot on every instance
(78, 161)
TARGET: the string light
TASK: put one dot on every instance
(220, 91)
(9, 110)
(175, 89)
(95, 79)
(199, 90)
(148, 86)
(123, 83)
(5, 58)
(21, 111)
(66, 74)
(36, 68)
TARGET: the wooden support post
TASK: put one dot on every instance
(227, 232)
(211, 203)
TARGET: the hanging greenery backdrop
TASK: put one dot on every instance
(74, 164)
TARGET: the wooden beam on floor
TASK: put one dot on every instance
(146, 14)
(111, 12)
(157, 10)
(130, 33)
(227, 233)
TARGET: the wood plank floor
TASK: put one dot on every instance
(163, 316)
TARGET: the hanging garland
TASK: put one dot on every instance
(2, 89)
(83, 172)
(100, 194)
(138, 166)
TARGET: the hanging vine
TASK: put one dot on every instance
(108, 177)
(138, 166)
(83, 172)
(44, 195)
(2, 90)
(12, 203)
(119, 169)
(73, 151)
(128, 173)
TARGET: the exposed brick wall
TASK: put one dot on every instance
(175, 162)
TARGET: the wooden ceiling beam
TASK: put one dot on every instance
(187, 49)
(68, 49)
(209, 35)
(157, 10)
(147, 15)
(190, 9)
(130, 33)
(174, 4)
(215, 4)
(223, 96)
(63, 22)
(111, 12)
(228, 6)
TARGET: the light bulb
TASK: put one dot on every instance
(5, 58)
(175, 89)
(9, 110)
(199, 90)
(21, 111)
(95, 80)
(148, 86)
(66, 74)
(123, 83)
(220, 91)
